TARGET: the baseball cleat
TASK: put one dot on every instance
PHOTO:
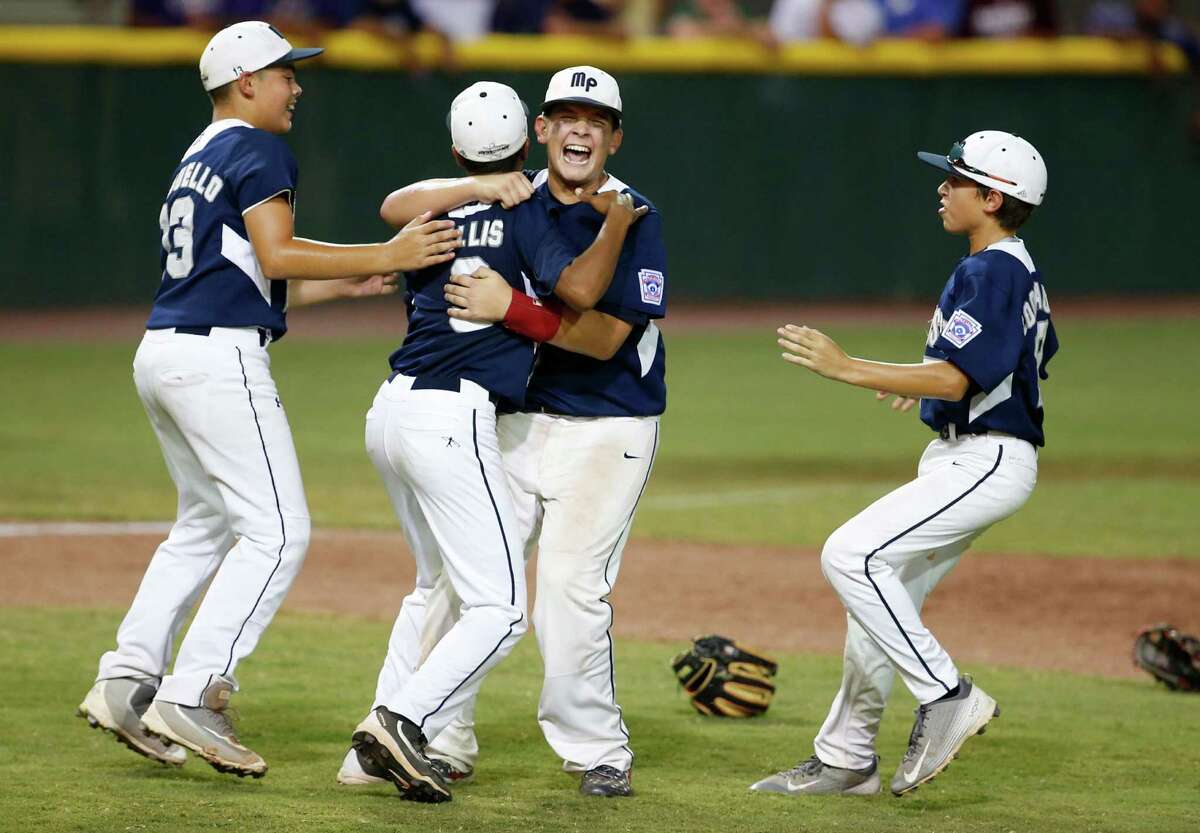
(206, 730)
(940, 730)
(812, 777)
(450, 773)
(358, 770)
(396, 745)
(116, 706)
(606, 782)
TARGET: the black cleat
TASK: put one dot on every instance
(396, 745)
(606, 782)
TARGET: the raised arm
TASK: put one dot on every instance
(437, 196)
(819, 353)
(283, 256)
(586, 280)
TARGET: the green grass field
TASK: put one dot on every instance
(754, 451)
(1067, 754)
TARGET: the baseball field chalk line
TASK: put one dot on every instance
(691, 500)
(29, 530)
(84, 528)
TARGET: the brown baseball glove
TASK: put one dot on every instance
(723, 679)
(1169, 656)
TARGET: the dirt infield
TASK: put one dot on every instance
(384, 317)
(1076, 615)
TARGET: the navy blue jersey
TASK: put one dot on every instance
(633, 382)
(521, 244)
(210, 275)
(993, 323)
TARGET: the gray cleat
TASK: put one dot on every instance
(117, 706)
(206, 730)
(395, 744)
(812, 777)
(940, 730)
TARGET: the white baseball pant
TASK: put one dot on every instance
(438, 455)
(883, 563)
(576, 483)
(242, 513)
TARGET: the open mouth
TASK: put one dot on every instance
(576, 154)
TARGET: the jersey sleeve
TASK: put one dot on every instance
(540, 245)
(639, 288)
(265, 169)
(982, 334)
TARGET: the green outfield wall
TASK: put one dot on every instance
(771, 185)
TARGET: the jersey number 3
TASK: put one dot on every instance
(176, 225)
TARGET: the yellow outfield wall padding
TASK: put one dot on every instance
(353, 49)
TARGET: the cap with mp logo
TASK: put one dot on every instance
(584, 85)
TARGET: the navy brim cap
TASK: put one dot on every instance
(591, 102)
(939, 161)
(297, 55)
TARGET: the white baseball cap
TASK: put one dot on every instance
(585, 85)
(488, 121)
(999, 160)
(246, 47)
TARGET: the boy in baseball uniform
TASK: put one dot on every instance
(202, 371)
(980, 390)
(578, 453)
(432, 434)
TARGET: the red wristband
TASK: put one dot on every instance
(534, 320)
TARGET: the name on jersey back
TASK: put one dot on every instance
(198, 177)
(483, 233)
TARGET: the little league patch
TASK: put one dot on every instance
(961, 328)
(651, 283)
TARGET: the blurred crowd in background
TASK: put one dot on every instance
(768, 23)
(771, 22)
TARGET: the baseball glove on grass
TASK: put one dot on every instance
(723, 679)
(1169, 656)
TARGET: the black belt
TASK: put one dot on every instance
(264, 335)
(450, 383)
(944, 432)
